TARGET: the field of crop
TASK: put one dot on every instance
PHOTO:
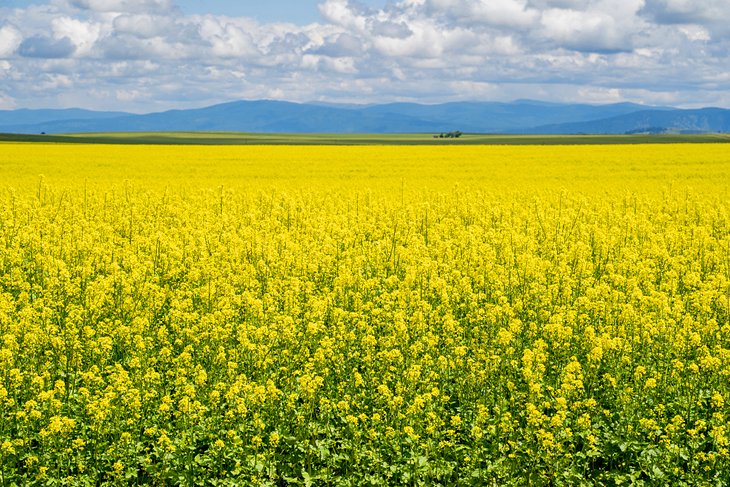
(275, 315)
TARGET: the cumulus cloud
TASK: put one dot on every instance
(10, 39)
(227, 39)
(714, 15)
(497, 13)
(46, 47)
(144, 25)
(398, 30)
(344, 14)
(82, 34)
(585, 31)
(340, 45)
(687, 11)
(147, 54)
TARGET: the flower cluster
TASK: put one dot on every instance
(301, 328)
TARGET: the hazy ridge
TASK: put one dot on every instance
(518, 117)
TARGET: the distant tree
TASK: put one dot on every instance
(449, 135)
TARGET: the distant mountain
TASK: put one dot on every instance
(521, 116)
(242, 116)
(9, 118)
(503, 117)
(701, 120)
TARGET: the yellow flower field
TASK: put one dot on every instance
(382, 315)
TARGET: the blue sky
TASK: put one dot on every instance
(299, 11)
(147, 55)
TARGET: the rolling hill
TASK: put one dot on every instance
(704, 120)
(518, 117)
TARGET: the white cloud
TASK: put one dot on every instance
(146, 54)
(548, 4)
(144, 26)
(82, 34)
(694, 32)
(342, 13)
(688, 11)
(497, 13)
(340, 45)
(600, 95)
(227, 39)
(585, 31)
(712, 15)
(10, 39)
(44, 47)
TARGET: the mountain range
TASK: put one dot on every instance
(517, 117)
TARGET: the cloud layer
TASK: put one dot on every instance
(147, 55)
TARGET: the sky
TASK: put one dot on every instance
(150, 55)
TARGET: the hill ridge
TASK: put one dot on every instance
(276, 116)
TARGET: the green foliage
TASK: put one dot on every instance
(314, 335)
